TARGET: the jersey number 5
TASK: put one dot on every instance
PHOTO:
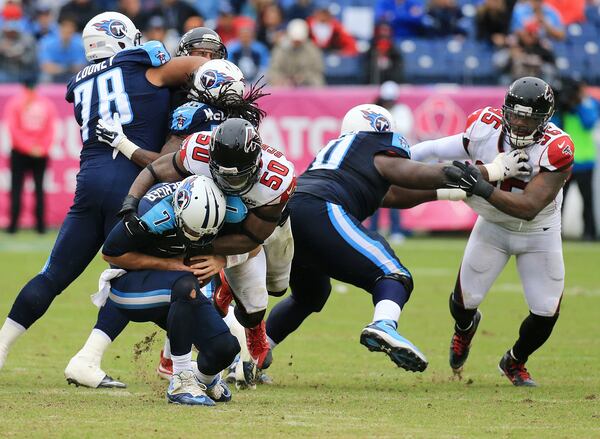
(110, 89)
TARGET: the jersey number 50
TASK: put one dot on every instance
(110, 89)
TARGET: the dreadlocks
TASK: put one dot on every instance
(230, 103)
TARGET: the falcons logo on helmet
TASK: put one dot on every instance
(112, 28)
(378, 121)
(213, 79)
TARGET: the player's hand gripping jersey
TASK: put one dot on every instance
(483, 139)
(344, 172)
(276, 181)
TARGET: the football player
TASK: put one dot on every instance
(217, 92)
(368, 166)
(241, 165)
(133, 81)
(162, 284)
(520, 216)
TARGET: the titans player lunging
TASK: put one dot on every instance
(123, 78)
(367, 167)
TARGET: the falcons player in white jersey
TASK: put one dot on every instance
(518, 216)
(241, 165)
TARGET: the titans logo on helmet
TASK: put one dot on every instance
(113, 28)
(213, 79)
(378, 121)
(183, 195)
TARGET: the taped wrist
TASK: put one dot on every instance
(127, 147)
(495, 172)
(233, 260)
(451, 194)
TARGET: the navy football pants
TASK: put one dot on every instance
(328, 243)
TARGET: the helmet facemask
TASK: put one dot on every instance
(522, 126)
(234, 181)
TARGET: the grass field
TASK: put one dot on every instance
(327, 384)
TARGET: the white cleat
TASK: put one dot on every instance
(185, 389)
(82, 371)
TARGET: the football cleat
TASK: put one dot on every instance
(515, 371)
(263, 378)
(218, 390)
(230, 377)
(460, 344)
(165, 367)
(258, 346)
(245, 376)
(185, 388)
(381, 336)
(84, 372)
(223, 295)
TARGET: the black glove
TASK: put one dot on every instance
(134, 226)
(469, 180)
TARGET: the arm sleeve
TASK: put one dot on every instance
(444, 149)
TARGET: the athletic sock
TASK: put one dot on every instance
(9, 333)
(204, 378)
(272, 344)
(167, 349)
(181, 363)
(95, 346)
(386, 310)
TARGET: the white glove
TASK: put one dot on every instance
(509, 165)
(110, 132)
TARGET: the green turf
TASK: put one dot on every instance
(327, 384)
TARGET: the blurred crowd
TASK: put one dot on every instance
(303, 42)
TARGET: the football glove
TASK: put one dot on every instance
(509, 165)
(112, 134)
(134, 226)
(471, 181)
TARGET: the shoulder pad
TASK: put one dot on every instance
(236, 210)
(559, 155)
(161, 217)
(482, 123)
(183, 115)
(152, 53)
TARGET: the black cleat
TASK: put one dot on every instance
(107, 382)
(516, 372)
(461, 343)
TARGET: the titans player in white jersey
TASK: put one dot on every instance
(519, 216)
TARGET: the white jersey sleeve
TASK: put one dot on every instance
(482, 126)
(194, 153)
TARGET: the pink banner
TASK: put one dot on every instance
(299, 122)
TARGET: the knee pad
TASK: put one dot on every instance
(406, 281)
(187, 289)
(248, 320)
(217, 353)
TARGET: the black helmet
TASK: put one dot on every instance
(528, 105)
(202, 38)
(235, 153)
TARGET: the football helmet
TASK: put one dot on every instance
(107, 34)
(528, 106)
(235, 153)
(202, 41)
(219, 76)
(367, 117)
(200, 209)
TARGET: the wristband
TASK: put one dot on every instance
(233, 260)
(495, 172)
(127, 147)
